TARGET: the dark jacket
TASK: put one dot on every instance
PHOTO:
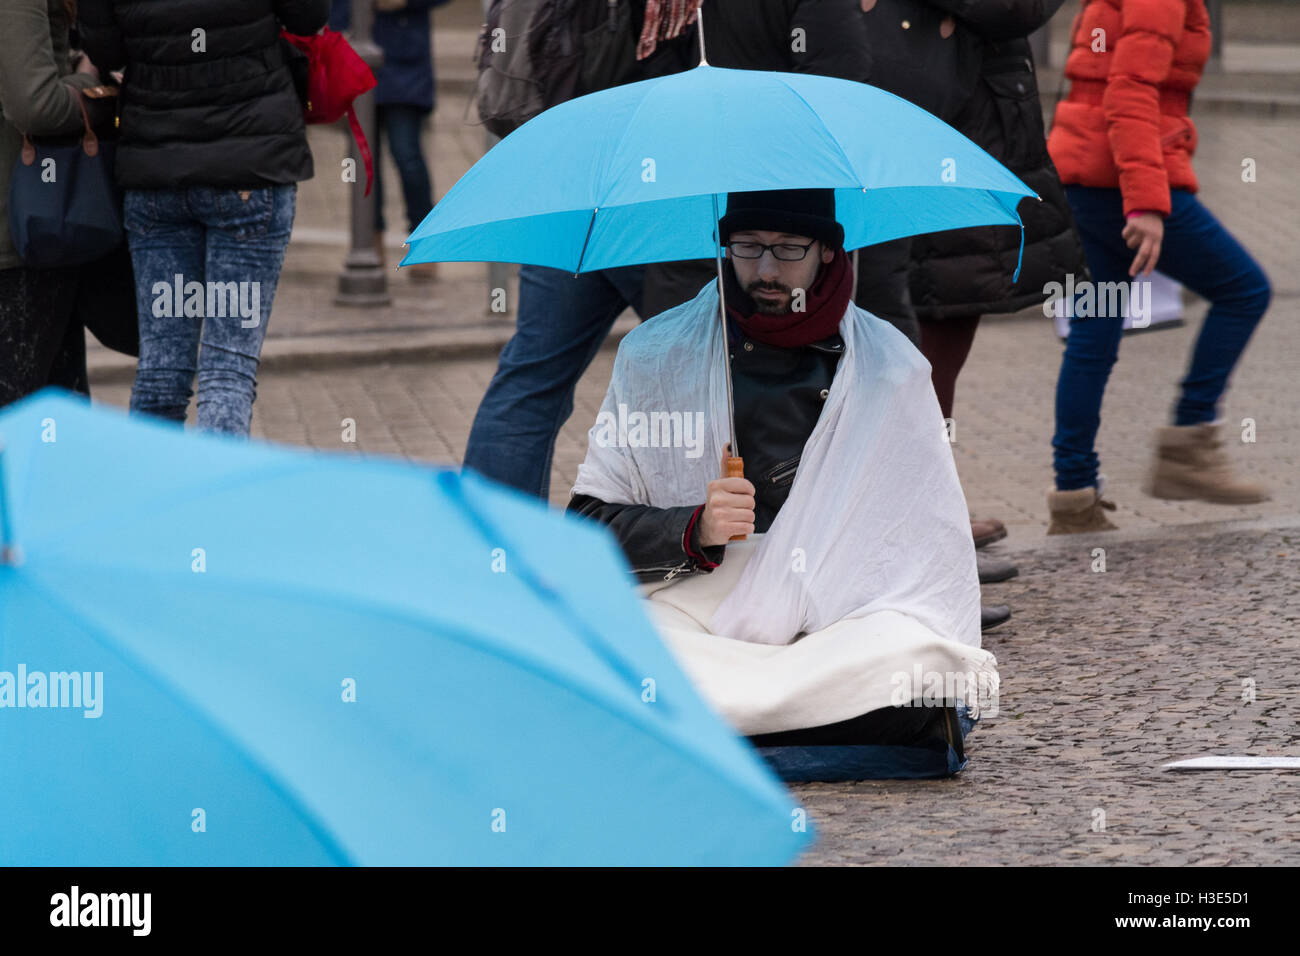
(968, 271)
(216, 108)
(36, 83)
(406, 38)
(826, 37)
(778, 395)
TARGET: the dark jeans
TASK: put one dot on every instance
(946, 343)
(1202, 255)
(40, 342)
(227, 246)
(401, 125)
(561, 323)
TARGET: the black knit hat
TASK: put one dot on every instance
(800, 212)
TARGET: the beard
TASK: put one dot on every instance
(769, 306)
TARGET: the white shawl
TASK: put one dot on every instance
(876, 519)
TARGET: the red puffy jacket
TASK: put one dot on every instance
(1132, 67)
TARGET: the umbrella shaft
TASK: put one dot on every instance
(726, 345)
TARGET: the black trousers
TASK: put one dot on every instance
(40, 342)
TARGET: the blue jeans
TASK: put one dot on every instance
(401, 126)
(561, 323)
(1196, 251)
(206, 262)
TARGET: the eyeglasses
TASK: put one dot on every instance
(785, 251)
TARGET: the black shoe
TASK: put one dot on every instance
(993, 570)
(991, 615)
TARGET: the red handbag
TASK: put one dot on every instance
(335, 76)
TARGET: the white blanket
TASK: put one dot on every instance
(876, 519)
(852, 667)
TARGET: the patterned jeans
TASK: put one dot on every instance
(207, 261)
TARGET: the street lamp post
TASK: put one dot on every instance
(362, 281)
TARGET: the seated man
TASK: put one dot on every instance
(855, 597)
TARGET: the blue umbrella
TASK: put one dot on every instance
(220, 652)
(640, 173)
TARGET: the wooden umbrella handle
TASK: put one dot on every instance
(735, 469)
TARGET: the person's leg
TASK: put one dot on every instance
(884, 288)
(404, 125)
(946, 343)
(68, 370)
(381, 131)
(248, 232)
(1093, 344)
(1202, 255)
(166, 248)
(561, 323)
(35, 308)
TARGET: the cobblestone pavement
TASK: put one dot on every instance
(1106, 676)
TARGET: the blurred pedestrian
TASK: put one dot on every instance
(1124, 143)
(40, 342)
(562, 319)
(212, 148)
(405, 98)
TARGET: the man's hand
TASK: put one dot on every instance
(1144, 233)
(728, 509)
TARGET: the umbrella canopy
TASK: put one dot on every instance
(221, 652)
(639, 173)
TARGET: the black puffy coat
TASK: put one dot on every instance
(811, 36)
(964, 272)
(216, 108)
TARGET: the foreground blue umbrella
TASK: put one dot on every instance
(639, 173)
(221, 652)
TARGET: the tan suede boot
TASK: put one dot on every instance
(1190, 463)
(1079, 511)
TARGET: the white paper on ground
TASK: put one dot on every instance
(1236, 763)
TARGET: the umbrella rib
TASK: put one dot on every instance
(843, 155)
(582, 255)
(309, 819)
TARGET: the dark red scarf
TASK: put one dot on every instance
(824, 307)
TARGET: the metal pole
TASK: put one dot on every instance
(726, 346)
(362, 281)
(498, 273)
